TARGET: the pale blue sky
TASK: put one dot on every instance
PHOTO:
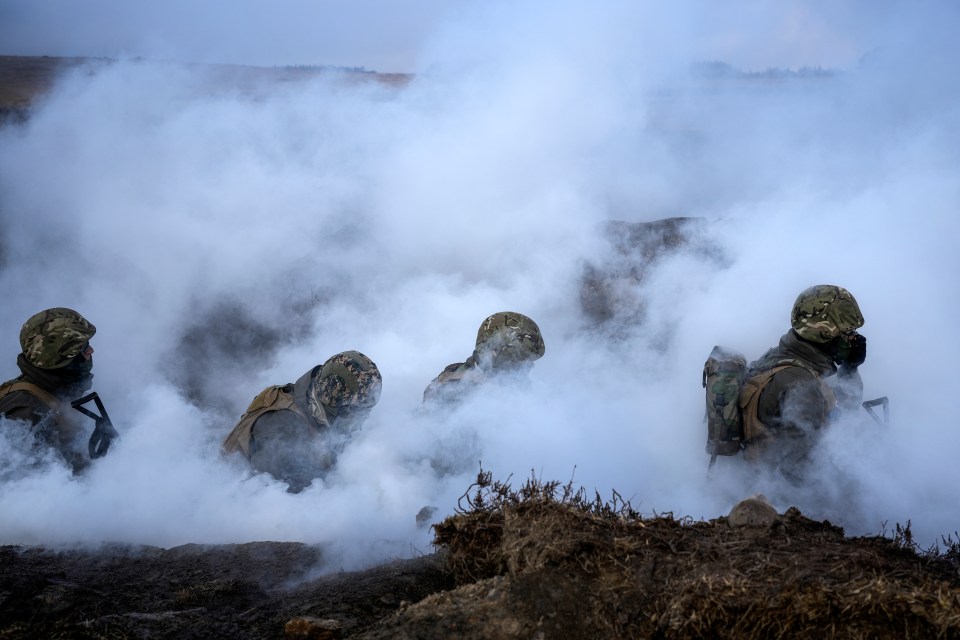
(378, 34)
(385, 35)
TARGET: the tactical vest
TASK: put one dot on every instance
(49, 400)
(275, 398)
(753, 428)
(454, 373)
(450, 380)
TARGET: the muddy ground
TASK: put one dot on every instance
(192, 591)
(538, 562)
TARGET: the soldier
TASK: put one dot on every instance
(56, 366)
(295, 431)
(507, 342)
(786, 399)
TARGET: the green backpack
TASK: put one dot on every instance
(723, 377)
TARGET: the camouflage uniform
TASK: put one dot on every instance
(53, 371)
(787, 398)
(295, 431)
(506, 342)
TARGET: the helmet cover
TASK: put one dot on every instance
(347, 380)
(825, 311)
(52, 338)
(512, 334)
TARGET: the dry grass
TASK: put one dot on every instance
(666, 577)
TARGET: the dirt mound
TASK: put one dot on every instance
(545, 562)
(542, 561)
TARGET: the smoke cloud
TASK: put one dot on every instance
(225, 240)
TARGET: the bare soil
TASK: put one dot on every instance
(539, 562)
(193, 591)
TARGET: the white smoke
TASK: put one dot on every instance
(223, 240)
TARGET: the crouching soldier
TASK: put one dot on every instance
(507, 345)
(798, 387)
(295, 431)
(56, 369)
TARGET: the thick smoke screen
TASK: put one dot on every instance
(223, 240)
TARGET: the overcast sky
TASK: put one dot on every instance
(397, 36)
(223, 242)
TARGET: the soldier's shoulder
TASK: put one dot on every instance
(440, 388)
(797, 373)
(793, 377)
(22, 397)
(456, 367)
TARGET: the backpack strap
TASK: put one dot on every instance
(275, 398)
(52, 403)
(753, 428)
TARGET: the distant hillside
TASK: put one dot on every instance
(24, 78)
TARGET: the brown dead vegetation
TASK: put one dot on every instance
(546, 560)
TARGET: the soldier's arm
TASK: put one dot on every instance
(804, 406)
(289, 449)
(793, 400)
(432, 392)
(847, 385)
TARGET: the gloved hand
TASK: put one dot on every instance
(853, 352)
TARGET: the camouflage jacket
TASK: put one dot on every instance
(42, 399)
(279, 434)
(453, 382)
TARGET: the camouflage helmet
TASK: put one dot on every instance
(347, 380)
(514, 329)
(52, 338)
(823, 312)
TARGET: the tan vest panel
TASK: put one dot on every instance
(275, 398)
(47, 398)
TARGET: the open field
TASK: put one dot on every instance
(24, 79)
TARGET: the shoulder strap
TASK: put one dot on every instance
(275, 398)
